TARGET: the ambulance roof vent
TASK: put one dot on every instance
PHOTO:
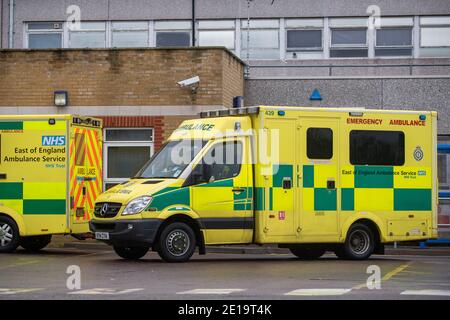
(229, 112)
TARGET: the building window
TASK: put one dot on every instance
(393, 42)
(125, 152)
(304, 38)
(348, 38)
(173, 33)
(383, 148)
(260, 40)
(89, 35)
(44, 35)
(319, 143)
(395, 37)
(435, 36)
(217, 33)
(129, 34)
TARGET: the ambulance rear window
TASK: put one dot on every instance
(319, 144)
(383, 148)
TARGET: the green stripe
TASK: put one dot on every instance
(348, 199)
(270, 199)
(412, 199)
(11, 125)
(44, 206)
(324, 199)
(281, 171)
(259, 199)
(219, 183)
(179, 196)
(374, 177)
(308, 176)
(11, 190)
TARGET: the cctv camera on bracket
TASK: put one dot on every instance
(191, 83)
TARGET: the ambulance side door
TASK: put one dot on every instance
(318, 188)
(222, 193)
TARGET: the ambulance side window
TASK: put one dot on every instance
(376, 147)
(319, 143)
(223, 161)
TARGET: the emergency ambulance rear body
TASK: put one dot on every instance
(50, 175)
(309, 179)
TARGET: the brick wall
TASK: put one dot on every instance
(163, 126)
(119, 77)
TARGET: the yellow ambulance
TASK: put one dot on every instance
(308, 179)
(50, 176)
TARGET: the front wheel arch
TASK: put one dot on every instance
(190, 222)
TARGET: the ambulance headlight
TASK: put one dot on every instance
(137, 205)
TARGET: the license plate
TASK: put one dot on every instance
(102, 235)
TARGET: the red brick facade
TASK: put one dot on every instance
(138, 122)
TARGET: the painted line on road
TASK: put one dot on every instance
(105, 291)
(318, 292)
(20, 264)
(9, 291)
(444, 293)
(211, 291)
(387, 276)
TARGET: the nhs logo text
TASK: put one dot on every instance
(53, 140)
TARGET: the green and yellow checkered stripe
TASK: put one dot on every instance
(386, 188)
(34, 198)
(316, 196)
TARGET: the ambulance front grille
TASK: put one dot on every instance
(107, 209)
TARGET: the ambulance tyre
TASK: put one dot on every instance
(307, 253)
(9, 235)
(176, 242)
(359, 245)
(131, 253)
(35, 243)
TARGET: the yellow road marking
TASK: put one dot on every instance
(387, 276)
(19, 264)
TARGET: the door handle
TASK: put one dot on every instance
(331, 184)
(238, 190)
(287, 183)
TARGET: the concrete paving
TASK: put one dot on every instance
(50, 274)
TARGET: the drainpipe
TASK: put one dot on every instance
(193, 23)
(1, 23)
(11, 24)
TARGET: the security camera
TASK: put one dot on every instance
(191, 82)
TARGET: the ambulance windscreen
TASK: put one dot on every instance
(171, 160)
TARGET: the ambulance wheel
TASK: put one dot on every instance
(360, 243)
(176, 242)
(35, 243)
(307, 253)
(9, 235)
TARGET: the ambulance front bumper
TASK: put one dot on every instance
(126, 232)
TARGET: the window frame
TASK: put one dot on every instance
(108, 143)
(305, 49)
(129, 30)
(189, 180)
(411, 46)
(365, 164)
(263, 26)
(29, 31)
(107, 37)
(347, 47)
(332, 143)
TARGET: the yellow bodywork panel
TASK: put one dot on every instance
(36, 154)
